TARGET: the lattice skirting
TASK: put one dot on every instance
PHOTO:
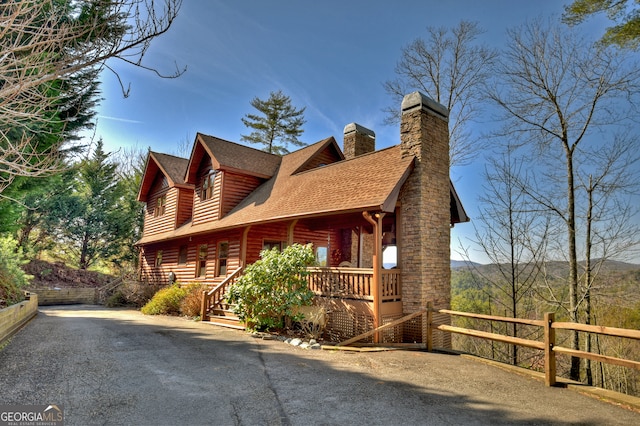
(347, 319)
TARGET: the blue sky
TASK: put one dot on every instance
(330, 57)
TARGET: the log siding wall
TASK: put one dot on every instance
(207, 210)
(235, 188)
(185, 206)
(165, 222)
(186, 272)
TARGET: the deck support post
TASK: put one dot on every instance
(428, 327)
(377, 266)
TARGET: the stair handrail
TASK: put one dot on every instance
(214, 296)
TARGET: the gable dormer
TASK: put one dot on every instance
(223, 173)
(167, 197)
(318, 155)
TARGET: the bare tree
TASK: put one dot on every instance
(451, 67)
(557, 91)
(513, 237)
(184, 146)
(45, 42)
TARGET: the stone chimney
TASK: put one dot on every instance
(358, 140)
(425, 208)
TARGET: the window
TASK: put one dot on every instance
(158, 258)
(223, 254)
(160, 206)
(268, 245)
(182, 255)
(321, 256)
(390, 257)
(201, 263)
(206, 191)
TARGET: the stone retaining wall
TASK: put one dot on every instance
(15, 316)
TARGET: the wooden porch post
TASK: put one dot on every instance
(290, 229)
(243, 246)
(377, 266)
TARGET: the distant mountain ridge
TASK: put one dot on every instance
(459, 264)
(609, 265)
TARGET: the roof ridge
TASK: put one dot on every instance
(168, 155)
(237, 144)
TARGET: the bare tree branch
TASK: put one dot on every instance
(450, 67)
(44, 42)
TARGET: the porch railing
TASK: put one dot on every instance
(354, 283)
(214, 297)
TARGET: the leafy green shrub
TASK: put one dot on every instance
(166, 301)
(270, 289)
(12, 277)
(190, 305)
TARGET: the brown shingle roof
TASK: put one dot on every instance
(174, 167)
(171, 166)
(230, 155)
(367, 182)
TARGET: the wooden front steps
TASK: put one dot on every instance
(225, 318)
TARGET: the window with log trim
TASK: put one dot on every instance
(201, 263)
(223, 255)
(161, 203)
(182, 254)
(158, 258)
(206, 189)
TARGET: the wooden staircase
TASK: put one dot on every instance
(214, 308)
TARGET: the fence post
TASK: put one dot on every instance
(549, 354)
(429, 327)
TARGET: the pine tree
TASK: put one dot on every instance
(280, 122)
(88, 221)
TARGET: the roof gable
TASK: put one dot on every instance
(231, 156)
(320, 153)
(172, 167)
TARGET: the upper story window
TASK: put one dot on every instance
(206, 190)
(161, 203)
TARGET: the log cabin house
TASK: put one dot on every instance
(379, 221)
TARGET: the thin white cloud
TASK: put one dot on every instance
(120, 119)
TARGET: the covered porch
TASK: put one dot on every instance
(357, 300)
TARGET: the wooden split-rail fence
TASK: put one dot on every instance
(548, 345)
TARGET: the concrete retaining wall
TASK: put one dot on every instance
(66, 296)
(15, 316)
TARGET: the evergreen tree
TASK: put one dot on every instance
(280, 122)
(89, 224)
(626, 18)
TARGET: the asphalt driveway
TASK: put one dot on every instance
(118, 367)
